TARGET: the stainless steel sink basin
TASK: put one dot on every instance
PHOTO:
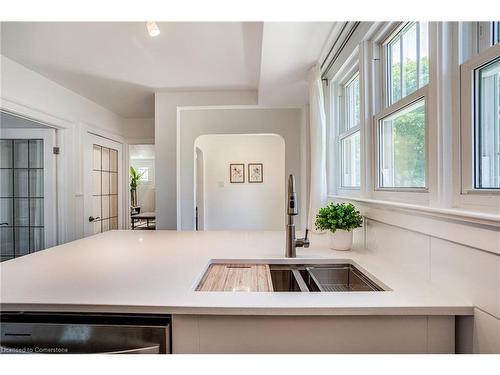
(284, 279)
(320, 278)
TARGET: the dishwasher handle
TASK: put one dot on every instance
(155, 349)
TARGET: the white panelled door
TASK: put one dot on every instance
(102, 183)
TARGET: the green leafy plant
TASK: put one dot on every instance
(338, 216)
(135, 177)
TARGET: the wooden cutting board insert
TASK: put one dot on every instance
(236, 278)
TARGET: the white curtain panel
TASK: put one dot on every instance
(317, 131)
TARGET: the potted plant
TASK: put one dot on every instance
(135, 178)
(340, 220)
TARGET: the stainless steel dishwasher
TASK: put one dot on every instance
(84, 333)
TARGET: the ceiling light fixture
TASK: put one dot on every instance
(153, 29)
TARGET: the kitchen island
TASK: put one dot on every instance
(157, 272)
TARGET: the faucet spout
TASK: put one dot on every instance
(292, 210)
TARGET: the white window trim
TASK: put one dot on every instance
(466, 45)
(420, 94)
(384, 45)
(346, 73)
(467, 126)
(423, 196)
(346, 133)
(450, 44)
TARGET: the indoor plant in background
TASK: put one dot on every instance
(340, 220)
(135, 177)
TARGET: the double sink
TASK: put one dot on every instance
(281, 276)
(320, 278)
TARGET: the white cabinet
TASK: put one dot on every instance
(313, 334)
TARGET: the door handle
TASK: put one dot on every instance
(91, 218)
(4, 223)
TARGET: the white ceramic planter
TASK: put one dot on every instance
(340, 240)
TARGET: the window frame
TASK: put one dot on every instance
(387, 109)
(342, 135)
(450, 45)
(386, 60)
(350, 67)
(407, 101)
(468, 123)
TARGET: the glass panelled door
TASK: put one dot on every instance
(103, 198)
(104, 188)
(22, 196)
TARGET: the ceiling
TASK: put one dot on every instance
(117, 64)
(289, 49)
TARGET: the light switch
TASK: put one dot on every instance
(220, 184)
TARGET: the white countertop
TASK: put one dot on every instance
(157, 272)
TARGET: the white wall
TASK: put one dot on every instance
(26, 87)
(243, 206)
(196, 121)
(166, 104)
(30, 94)
(138, 130)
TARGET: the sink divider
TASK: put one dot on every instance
(302, 284)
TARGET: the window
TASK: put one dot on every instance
(487, 126)
(400, 127)
(21, 197)
(408, 61)
(435, 134)
(402, 148)
(351, 103)
(143, 173)
(349, 136)
(480, 124)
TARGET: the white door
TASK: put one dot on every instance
(102, 185)
(28, 191)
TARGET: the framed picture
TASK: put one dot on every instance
(237, 173)
(255, 172)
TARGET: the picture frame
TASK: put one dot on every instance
(255, 172)
(237, 173)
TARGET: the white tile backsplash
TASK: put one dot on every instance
(464, 270)
(469, 272)
(486, 333)
(407, 249)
